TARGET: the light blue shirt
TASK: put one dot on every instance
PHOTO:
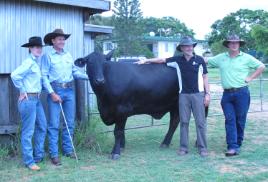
(59, 68)
(27, 77)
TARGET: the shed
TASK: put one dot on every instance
(21, 19)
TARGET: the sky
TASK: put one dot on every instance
(198, 15)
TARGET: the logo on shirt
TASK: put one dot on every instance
(195, 63)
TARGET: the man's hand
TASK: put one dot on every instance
(207, 100)
(22, 96)
(248, 79)
(55, 97)
(141, 61)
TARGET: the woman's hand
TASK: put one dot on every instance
(22, 96)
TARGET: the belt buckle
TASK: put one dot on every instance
(64, 85)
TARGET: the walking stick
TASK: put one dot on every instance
(68, 132)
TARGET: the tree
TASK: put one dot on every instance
(260, 35)
(127, 14)
(166, 26)
(241, 23)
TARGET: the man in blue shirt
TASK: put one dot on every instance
(193, 94)
(58, 73)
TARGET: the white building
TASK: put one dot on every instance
(164, 47)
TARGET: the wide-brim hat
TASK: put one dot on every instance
(233, 38)
(57, 32)
(33, 41)
(186, 41)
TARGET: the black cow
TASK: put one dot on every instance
(125, 89)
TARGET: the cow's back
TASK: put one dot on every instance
(140, 89)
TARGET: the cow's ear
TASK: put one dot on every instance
(80, 62)
(109, 55)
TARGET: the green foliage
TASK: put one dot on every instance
(217, 47)
(260, 34)
(89, 135)
(4, 151)
(241, 23)
(100, 20)
(166, 26)
(130, 27)
(126, 18)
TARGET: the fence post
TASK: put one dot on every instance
(261, 91)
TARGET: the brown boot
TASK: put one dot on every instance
(55, 161)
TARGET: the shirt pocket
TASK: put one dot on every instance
(36, 70)
(68, 61)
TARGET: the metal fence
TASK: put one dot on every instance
(259, 101)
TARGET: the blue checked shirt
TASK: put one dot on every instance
(27, 77)
(59, 68)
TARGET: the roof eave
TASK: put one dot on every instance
(96, 6)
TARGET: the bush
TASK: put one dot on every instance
(90, 135)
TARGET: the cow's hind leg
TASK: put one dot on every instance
(119, 135)
(173, 124)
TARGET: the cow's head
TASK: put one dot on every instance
(95, 66)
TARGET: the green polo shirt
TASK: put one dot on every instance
(235, 70)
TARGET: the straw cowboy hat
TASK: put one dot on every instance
(33, 41)
(186, 41)
(57, 32)
(233, 38)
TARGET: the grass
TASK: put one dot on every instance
(143, 160)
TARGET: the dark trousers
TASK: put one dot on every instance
(235, 106)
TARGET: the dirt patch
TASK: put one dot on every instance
(227, 168)
(243, 168)
(88, 168)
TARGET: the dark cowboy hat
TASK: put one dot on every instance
(233, 38)
(186, 41)
(33, 41)
(57, 32)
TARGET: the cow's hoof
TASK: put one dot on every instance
(163, 146)
(114, 156)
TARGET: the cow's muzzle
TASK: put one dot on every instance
(100, 81)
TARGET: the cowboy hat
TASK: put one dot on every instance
(186, 41)
(57, 32)
(33, 41)
(233, 38)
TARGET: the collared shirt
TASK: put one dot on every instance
(235, 70)
(190, 73)
(27, 77)
(59, 68)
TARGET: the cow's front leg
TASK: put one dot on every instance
(119, 135)
(123, 142)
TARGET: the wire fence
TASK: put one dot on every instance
(259, 101)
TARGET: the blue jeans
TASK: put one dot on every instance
(235, 106)
(68, 104)
(34, 123)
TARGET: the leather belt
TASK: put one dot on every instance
(33, 95)
(234, 89)
(62, 85)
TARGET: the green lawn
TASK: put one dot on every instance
(143, 160)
